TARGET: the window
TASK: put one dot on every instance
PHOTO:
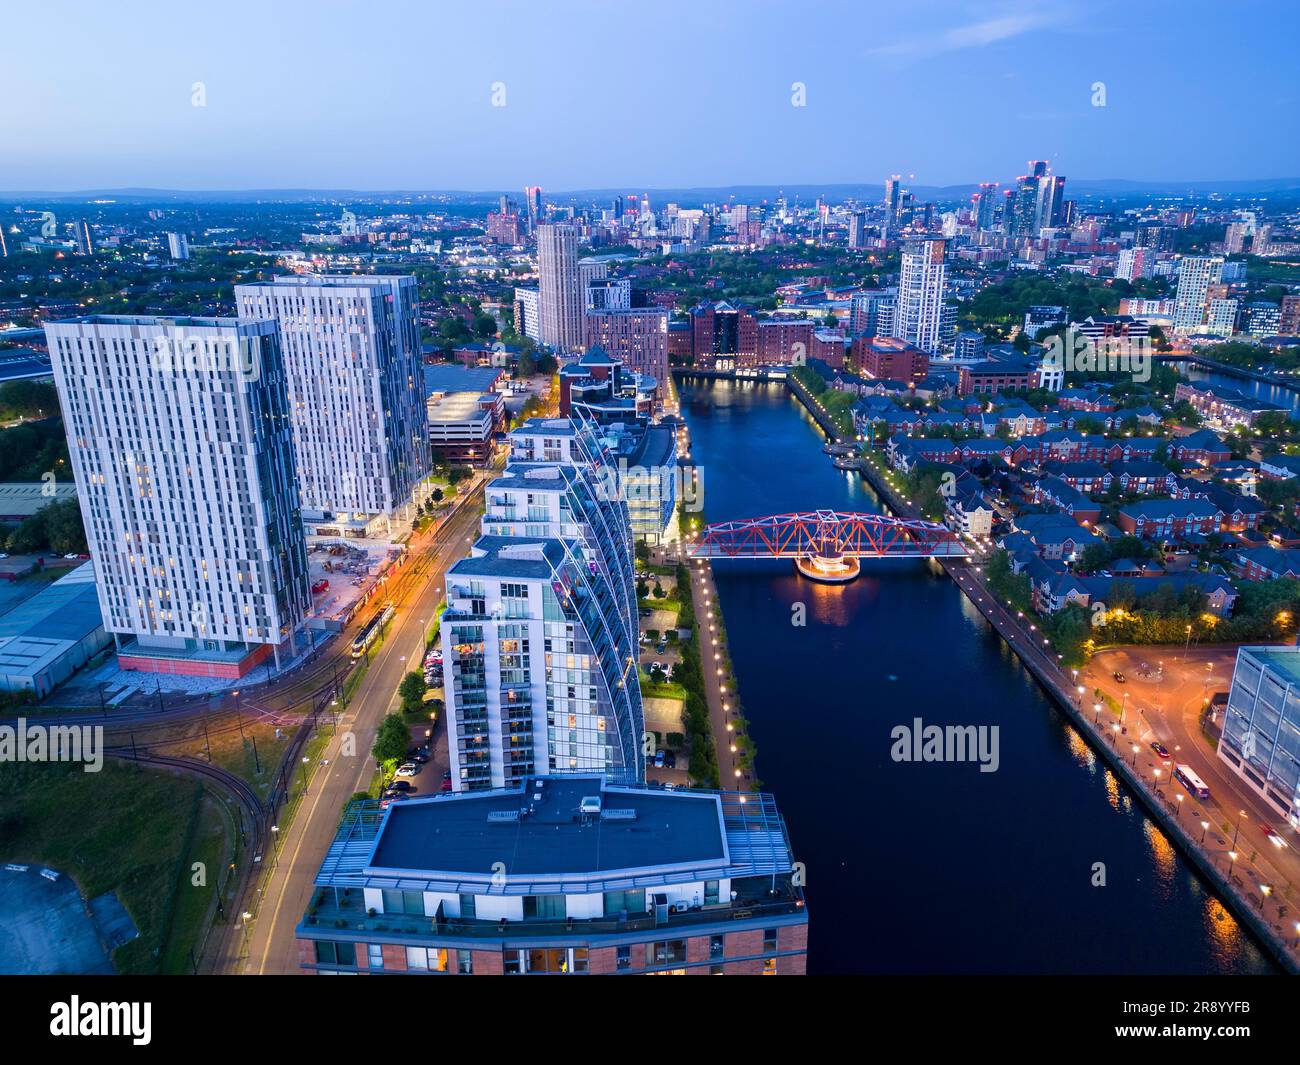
(403, 901)
(375, 956)
(624, 958)
(427, 959)
(548, 960)
(769, 940)
(712, 892)
(465, 963)
(513, 961)
(579, 959)
(716, 948)
(617, 902)
(769, 966)
(544, 906)
(669, 950)
(335, 953)
(468, 907)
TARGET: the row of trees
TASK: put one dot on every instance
(56, 527)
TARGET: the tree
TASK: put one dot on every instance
(392, 740)
(411, 691)
(436, 495)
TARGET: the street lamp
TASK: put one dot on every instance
(1240, 815)
(1178, 810)
(1204, 826)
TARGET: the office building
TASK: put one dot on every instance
(1196, 273)
(890, 359)
(984, 206)
(533, 203)
(1260, 741)
(561, 300)
(919, 316)
(590, 877)
(893, 206)
(180, 439)
(178, 246)
(356, 394)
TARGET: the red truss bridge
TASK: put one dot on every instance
(827, 544)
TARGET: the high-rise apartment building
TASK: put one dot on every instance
(533, 201)
(858, 230)
(540, 635)
(178, 246)
(178, 430)
(636, 337)
(356, 394)
(919, 316)
(561, 300)
(1196, 273)
(81, 234)
(1133, 264)
(984, 206)
(893, 205)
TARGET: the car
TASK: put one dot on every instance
(400, 785)
(1119, 677)
(446, 784)
(1273, 836)
(446, 774)
(661, 649)
(416, 754)
(1160, 749)
(72, 554)
(645, 612)
(407, 769)
(392, 797)
(670, 759)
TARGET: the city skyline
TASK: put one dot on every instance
(159, 101)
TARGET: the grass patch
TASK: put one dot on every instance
(122, 830)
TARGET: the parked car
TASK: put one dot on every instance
(670, 759)
(417, 754)
(446, 784)
(1119, 677)
(659, 758)
(1160, 749)
(407, 769)
(661, 649)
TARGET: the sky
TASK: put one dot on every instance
(582, 94)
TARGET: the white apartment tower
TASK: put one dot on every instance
(540, 633)
(179, 435)
(356, 394)
(561, 300)
(919, 315)
(1195, 276)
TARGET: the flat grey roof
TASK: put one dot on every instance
(550, 836)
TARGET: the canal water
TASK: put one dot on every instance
(927, 867)
(1286, 398)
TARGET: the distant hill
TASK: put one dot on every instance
(866, 192)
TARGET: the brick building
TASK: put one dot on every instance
(563, 874)
(890, 359)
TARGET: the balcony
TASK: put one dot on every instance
(337, 911)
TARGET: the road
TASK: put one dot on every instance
(286, 890)
(1163, 694)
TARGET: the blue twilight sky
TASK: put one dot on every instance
(388, 94)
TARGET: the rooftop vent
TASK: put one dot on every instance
(590, 805)
(503, 817)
